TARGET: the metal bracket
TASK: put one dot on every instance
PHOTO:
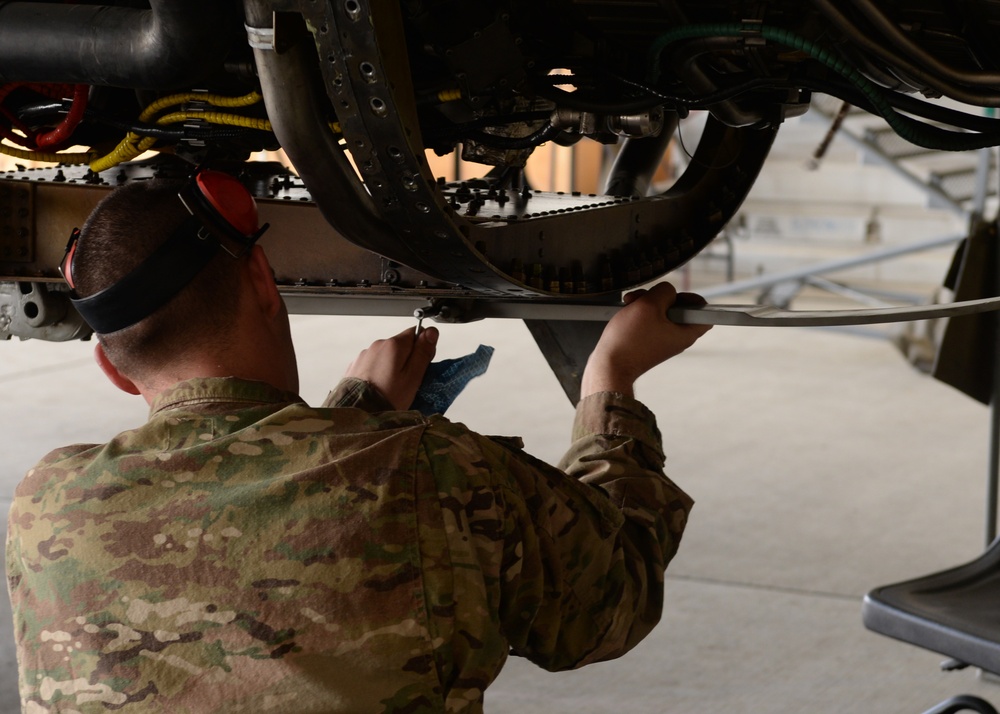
(38, 310)
(260, 38)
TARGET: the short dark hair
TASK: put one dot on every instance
(124, 229)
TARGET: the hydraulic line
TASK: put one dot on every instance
(572, 101)
(125, 151)
(898, 37)
(902, 102)
(843, 90)
(128, 150)
(133, 144)
(716, 97)
(217, 118)
(216, 100)
(929, 137)
(68, 125)
(51, 140)
(75, 158)
(157, 132)
(883, 52)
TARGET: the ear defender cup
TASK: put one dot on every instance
(225, 207)
(229, 198)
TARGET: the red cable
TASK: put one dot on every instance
(61, 133)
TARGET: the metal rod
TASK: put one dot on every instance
(982, 187)
(993, 476)
(876, 153)
(994, 466)
(844, 291)
(983, 172)
(767, 280)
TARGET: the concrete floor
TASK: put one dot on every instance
(822, 465)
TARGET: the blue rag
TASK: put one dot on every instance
(445, 380)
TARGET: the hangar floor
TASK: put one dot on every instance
(822, 465)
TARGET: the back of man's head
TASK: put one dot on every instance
(124, 229)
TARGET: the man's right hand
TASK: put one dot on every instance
(637, 339)
(396, 366)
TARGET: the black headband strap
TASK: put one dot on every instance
(152, 283)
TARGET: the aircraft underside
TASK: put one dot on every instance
(358, 93)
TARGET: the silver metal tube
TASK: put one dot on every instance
(290, 85)
(831, 266)
(993, 476)
(172, 44)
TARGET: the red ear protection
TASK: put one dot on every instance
(225, 208)
(223, 215)
(66, 266)
(229, 199)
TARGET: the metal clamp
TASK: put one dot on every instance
(260, 38)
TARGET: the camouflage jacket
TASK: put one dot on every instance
(244, 552)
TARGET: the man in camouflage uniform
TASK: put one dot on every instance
(244, 552)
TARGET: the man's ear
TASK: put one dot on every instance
(264, 285)
(111, 372)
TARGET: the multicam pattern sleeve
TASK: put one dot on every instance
(358, 394)
(245, 552)
(570, 563)
(617, 449)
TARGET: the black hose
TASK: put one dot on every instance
(39, 111)
(838, 88)
(921, 56)
(173, 44)
(575, 100)
(707, 100)
(904, 102)
(883, 52)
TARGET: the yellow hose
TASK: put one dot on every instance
(125, 151)
(134, 144)
(217, 118)
(216, 100)
(70, 159)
